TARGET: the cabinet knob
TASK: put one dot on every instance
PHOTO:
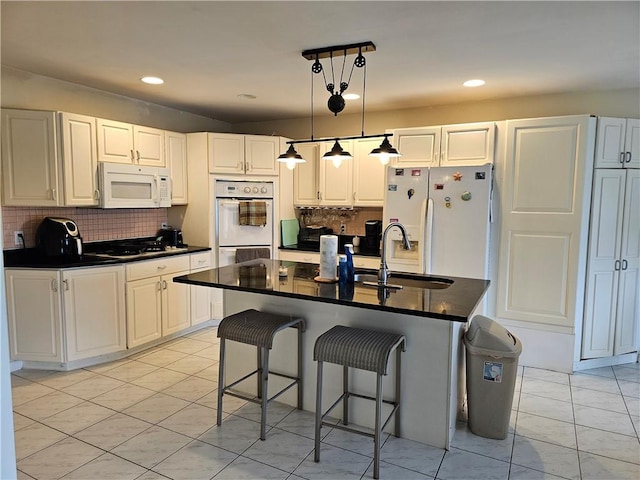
(96, 194)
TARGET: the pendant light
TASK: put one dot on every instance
(385, 152)
(337, 155)
(291, 158)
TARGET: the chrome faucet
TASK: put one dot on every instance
(383, 273)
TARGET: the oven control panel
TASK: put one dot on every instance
(244, 189)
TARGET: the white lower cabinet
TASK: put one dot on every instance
(65, 315)
(200, 296)
(359, 261)
(156, 306)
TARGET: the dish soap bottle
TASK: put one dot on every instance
(348, 250)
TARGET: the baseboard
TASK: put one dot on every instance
(605, 361)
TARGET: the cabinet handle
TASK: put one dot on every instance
(96, 194)
(248, 166)
(617, 265)
(624, 265)
(158, 285)
(66, 284)
(138, 155)
(161, 267)
(132, 156)
(628, 160)
(164, 284)
(240, 166)
(53, 194)
(354, 195)
(54, 285)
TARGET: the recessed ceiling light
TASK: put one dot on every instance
(246, 96)
(152, 80)
(351, 96)
(474, 83)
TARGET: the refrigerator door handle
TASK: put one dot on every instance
(426, 227)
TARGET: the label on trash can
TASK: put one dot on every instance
(492, 372)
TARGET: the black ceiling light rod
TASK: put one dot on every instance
(331, 139)
(326, 52)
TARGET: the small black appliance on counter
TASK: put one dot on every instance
(172, 237)
(372, 235)
(59, 237)
(309, 236)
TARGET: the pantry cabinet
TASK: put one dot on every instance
(243, 154)
(612, 306)
(156, 306)
(120, 142)
(176, 158)
(79, 313)
(445, 146)
(48, 159)
(618, 144)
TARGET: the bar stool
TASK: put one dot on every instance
(365, 350)
(257, 328)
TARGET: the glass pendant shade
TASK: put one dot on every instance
(385, 152)
(291, 158)
(337, 155)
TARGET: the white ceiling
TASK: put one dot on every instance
(210, 52)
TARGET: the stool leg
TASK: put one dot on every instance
(300, 389)
(345, 390)
(259, 376)
(265, 392)
(220, 382)
(316, 454)
(398, 375)
(378, 425)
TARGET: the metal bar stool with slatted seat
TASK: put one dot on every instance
(257, 328)
(365, 350)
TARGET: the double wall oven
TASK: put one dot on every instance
(234, 234)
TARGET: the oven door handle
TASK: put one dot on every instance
(229, 202)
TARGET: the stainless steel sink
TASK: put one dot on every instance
(398, 281)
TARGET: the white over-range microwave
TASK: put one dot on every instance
(133, 186)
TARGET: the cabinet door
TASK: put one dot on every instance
(545, 205)
(299, 256)
(200, 296)
(34, 315)
(632, 144)
(336, 184)
(628, 307)
(148, 144)
(176, 156)
(115, 141)
(94, 311)
(226, 153)
(368, 175)
(80, 161)
(604, 253)
(305, 176)
(418, 146)
(467, 144)
(610, 142)
(144, 311)
(30, 168)
(261, 153)
(176, 312)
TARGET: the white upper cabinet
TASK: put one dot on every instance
(445, 146)
(336, 184)
(245, 154)
(120, 142)
(176, 156)
(48, 159)
(305, 176)
(80, 160)
(618, 143)
(368, 175)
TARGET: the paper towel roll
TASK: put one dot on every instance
(328, 256)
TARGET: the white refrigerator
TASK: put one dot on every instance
(447, 214)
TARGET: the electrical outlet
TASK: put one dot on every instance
(164, 225)
(18, 238)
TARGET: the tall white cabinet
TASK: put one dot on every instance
(612, 305)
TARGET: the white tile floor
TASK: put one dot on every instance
(152, 416)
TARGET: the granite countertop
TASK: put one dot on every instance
(32, 258)
(421, 295)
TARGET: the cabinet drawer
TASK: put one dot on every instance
(162, 266)
(200, 260)
(293, 256)
(366, 262)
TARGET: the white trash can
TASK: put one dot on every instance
(492, 365)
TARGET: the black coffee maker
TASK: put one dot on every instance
(372, 235)
(59, 237)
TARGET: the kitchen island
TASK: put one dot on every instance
(431, 312)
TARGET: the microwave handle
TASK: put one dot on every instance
(156, 194)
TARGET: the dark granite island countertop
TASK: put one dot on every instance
(433, 320)
(420, 295)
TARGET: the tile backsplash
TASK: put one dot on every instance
(94, 224)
